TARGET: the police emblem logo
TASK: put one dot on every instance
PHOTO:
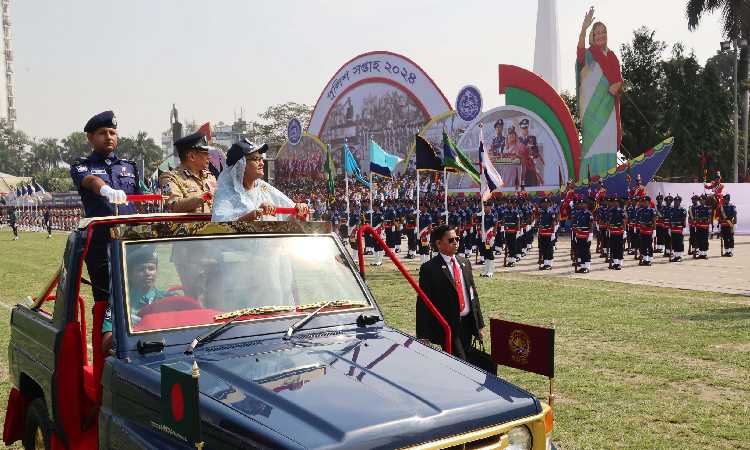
(294, 131)
(519, 345)
(114, 121)
(469, 103)
(82, 168)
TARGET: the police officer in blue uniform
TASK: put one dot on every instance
(727, 221)
(103, 180)
(677, 220)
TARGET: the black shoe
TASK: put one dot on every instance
(729, 255)
(510, 264)
(584, 270)
(617, 267)
(703, 257)
(677, 259)
(647, 263)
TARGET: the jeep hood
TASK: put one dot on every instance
(372, 390)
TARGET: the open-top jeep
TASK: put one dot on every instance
(285, 342)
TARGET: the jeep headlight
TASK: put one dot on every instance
(519, 438)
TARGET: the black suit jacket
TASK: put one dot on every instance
(436, 281)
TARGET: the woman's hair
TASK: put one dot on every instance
(591, 35)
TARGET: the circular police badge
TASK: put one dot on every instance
(114, 121)
(519, 345)
(469, 103)
(294, 131)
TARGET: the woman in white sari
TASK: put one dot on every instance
(241, 193)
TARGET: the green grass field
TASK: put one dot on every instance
(637, 367)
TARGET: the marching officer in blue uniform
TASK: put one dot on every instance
(647, 230)
(424, 227)
(616, 226)
(103, 180)
(727, 220)
(547, 222)
(511, 222)
(677, 219)
(584, 226)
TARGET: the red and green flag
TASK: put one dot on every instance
(180, 412)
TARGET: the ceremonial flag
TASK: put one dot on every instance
(351, 166)
(38, 188)
(382, 162)
(588, 174)
(427, 158)
(205, 130)
(491, 180)
(180, 407)
(453, 158)
(330, 170)
(560, 177)
(523, 346)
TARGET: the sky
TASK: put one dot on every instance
(212, 58)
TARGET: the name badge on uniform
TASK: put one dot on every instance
(98, 172)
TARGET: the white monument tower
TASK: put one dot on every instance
(547, 44)
(7, 96)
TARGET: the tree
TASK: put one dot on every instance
(75, 146)
(735, 18)
(45, 155)
(572, 103)
(141, 147)
(696, 112)
(55, 180)
(14, 145)
(640, 110)
(272, 125)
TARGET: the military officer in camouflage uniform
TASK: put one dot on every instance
(190, 185)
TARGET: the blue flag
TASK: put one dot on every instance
(351, 166)
(381, 162)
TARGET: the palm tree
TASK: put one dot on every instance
(735, 16)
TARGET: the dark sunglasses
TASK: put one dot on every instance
(453, 240)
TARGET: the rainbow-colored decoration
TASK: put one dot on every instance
(527, 90)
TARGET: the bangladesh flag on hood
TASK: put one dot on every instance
(455, 160)
(180, 412)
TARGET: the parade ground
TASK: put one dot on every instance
(637, 366)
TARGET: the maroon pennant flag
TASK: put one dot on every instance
(523, 346)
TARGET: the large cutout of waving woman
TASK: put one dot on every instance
(598, 86)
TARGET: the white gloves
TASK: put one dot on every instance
(653, 233)
(590, 236)
(114, 196)
(625, 235)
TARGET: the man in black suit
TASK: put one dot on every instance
(449, 284)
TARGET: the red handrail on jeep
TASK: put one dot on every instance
(448, 345)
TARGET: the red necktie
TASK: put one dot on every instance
(459, 286)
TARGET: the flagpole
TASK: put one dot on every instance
(481, 180)
(370, 196)
(418, 210)
(445, 182)
(346, 184)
